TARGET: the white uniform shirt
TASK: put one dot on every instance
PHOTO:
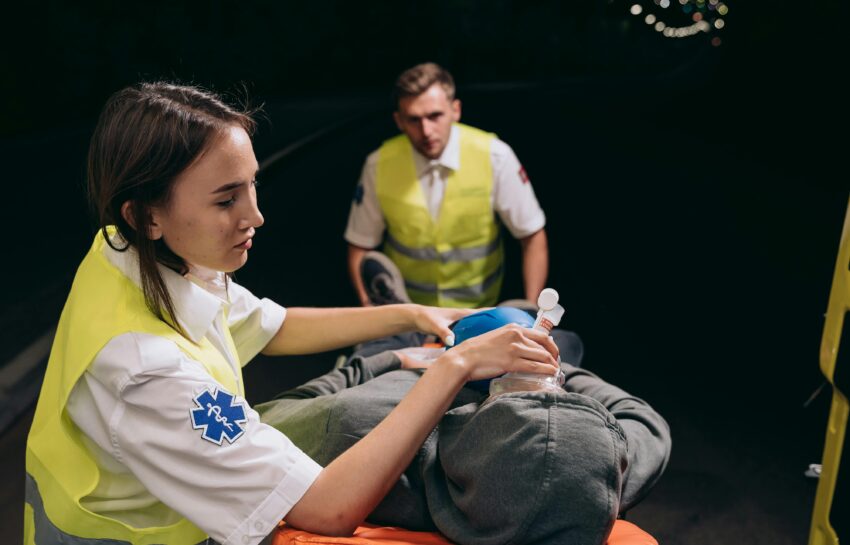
(133, 404)
(513, 198)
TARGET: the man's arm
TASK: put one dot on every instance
(366, 225)
(355, 256)
(535, 263)
(515, 203)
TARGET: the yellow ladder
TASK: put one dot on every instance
(822, 532)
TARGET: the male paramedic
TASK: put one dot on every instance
(431, 195)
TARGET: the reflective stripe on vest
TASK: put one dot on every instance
(457, 259)
(468, 293)
(455, 254)
(102, 304)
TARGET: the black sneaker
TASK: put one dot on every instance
(382, 280)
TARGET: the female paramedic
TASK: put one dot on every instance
(142, 434)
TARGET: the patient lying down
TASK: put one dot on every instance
(541, 464)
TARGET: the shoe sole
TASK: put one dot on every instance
(393, 271)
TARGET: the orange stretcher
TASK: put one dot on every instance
(623, 533)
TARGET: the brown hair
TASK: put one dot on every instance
(148, 134)
(415, 81)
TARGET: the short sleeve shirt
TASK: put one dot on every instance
(513, 198)
(134, 406)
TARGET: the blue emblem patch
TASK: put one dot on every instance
(218, 416)
(358, 194)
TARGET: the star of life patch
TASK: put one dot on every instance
(219, 416)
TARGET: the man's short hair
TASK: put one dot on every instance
(415, 81)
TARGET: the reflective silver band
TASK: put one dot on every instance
(457, 254)
(46, 533)
(466, 292)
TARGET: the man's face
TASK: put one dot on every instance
(427, 120)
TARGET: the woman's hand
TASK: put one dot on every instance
(436, 321)
(511, 348)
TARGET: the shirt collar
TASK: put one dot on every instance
(215, 282)
(198, 297)
(450, 158)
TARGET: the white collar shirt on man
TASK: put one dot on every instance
(513, 198)
(134, 404)
(433, 173)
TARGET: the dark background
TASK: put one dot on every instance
(695, 192)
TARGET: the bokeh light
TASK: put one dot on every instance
(701, 12)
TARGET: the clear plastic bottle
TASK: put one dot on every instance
(525, 382)
(548, 316)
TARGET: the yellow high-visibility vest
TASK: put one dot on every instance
(103, 304)
(455, 261)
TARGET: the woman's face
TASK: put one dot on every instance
(211, 216)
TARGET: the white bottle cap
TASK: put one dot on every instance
(547, 299)
(554, 315)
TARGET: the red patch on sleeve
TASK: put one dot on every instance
(523, 174)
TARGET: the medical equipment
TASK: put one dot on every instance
(548, 316)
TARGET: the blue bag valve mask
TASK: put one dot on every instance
(484, 321)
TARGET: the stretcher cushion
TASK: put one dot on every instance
(623, 533)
